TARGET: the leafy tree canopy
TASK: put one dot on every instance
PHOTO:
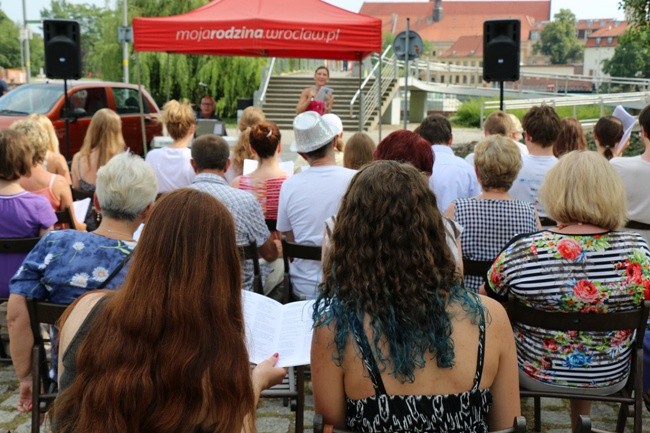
(638, 11)
(558, 39)
(631, 56)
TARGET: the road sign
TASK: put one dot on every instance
(415, 45)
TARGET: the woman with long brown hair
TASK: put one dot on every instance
(166, 352)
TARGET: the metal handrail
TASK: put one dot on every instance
(264, 85)
(365, 93)
(570, 100)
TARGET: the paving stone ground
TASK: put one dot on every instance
(274, 417)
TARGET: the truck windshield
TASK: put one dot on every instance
(30, 98)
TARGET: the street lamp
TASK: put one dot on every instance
(25, 39)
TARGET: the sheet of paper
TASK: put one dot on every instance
(138, 232)
(81, 208)
(272, 327)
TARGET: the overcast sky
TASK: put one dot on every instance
(581, 8)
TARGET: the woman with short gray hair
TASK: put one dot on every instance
(67, 263)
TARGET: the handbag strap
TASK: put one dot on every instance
(117, 269)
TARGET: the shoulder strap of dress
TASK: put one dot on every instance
(480, 357)
(366, 353)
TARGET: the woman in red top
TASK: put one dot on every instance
(308, 101)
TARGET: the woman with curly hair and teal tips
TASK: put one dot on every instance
(398, 344)
(584, 264)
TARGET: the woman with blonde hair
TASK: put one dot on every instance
(398, 344)
(166, 353)
(54, 162)
(172, 163)
(585, 264)
(103, 141)
(51, 186)
(358, 150)
(242, 150)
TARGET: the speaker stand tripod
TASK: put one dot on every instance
(501, 95)
(66, 104)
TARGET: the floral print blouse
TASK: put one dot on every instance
(67, 263)
(596, 273)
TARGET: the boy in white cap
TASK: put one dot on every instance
(308, 198)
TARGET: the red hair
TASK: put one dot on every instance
(406, 146)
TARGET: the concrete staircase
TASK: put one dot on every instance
(284, 91)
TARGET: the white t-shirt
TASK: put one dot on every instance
(452, 177)
(635, 173)
(526, 185)
(307, 199)
(172, 167)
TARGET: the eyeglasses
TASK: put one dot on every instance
(209, 104)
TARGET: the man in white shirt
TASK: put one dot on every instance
(452, 177)
(635, 173)
(310, 197)
(541, 128)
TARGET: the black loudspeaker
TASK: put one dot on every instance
(501, 47)
(62, 49)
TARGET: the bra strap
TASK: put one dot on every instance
(481, 349)
(366, 354)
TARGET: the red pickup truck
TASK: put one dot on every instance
(85, 98)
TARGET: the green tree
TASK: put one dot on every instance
(9, 42)
(638, 11)
(558, 39)
(632, 55)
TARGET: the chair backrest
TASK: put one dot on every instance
(577, 321)
(78, 194)
(65, 217)
(249, 252)
(477, 268)
(41, 312)
(300, 251)
(18, 245)
(292, 250)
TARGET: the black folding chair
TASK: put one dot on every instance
(249, 252)
(630, 397)
(44, 388)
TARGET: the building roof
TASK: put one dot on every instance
(594, 24)
(466, 46)
(606, 36)
(539, 10)
(453, 27)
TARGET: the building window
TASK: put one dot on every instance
(597, 41)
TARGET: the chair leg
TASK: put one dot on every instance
(300, 406)
(538, 414)
(623, 413)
